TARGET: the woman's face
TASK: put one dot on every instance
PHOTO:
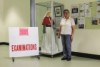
(66, 14)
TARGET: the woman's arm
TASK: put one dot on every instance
(73, 30)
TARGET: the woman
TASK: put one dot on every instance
(67, 28)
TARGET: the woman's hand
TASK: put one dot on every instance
(71, 38)
(58, 36)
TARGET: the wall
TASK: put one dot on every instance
(2, 26)
(86, 40)
(68, 3)
(15, 13)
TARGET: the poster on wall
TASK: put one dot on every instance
(75, 11)
(98, 9)
(94, 20)
(98, 21)
(23, 41)
(87, 9)
(82, 10)
(89, 15)
(81, 22)
(58, 11)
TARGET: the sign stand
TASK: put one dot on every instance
(13, 59)
(23, 41)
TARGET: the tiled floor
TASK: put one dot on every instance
(5, 61)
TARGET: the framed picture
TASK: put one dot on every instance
(74, 10)
(94, 20)
(58, 11)
(81, 23)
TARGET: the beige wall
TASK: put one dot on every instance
(16, 13)
(2, 27)
(68, 3)
(87, 40)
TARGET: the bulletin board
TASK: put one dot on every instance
(86, 15)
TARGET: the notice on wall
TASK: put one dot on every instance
(81, 23)
(82, 10)
(98, 9)
(75, 11)
(23, 41)
(95, 20)
(89, 15)
(87, 9)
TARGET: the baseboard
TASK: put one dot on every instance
(4, 43)
(52, 56)
(93, 56)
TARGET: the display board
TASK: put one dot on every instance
(86, 15)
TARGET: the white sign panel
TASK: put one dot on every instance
(23, 41)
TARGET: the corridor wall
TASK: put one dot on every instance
(13, 13)
(85, 40)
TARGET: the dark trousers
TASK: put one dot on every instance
(66, 42)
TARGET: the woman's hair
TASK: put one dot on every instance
(66, 10)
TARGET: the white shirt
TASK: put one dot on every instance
(66, 25)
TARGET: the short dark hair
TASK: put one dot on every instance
(66, 10)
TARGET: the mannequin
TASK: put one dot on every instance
(48, 43)
(46, 21)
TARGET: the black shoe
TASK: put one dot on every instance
(68, 59)
(64, 58)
